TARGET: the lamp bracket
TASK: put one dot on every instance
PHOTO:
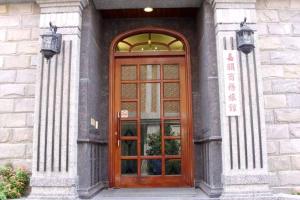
(243, 23)
(53, 28)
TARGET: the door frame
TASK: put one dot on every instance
(112, 117)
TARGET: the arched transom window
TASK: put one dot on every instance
(149, 42)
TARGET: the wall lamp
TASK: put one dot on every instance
(245, 38)
(51, 42)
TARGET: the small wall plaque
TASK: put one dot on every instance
(124, 113)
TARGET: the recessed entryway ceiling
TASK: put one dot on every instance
(125, 4)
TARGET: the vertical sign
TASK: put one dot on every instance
(231, 82)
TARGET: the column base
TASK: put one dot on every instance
(211, 191)
(247, 187)
(248, 196)
(53, 188)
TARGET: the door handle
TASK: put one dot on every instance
(117, 133)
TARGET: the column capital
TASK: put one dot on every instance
(55, 6)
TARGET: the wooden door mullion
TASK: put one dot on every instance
(138, 119)
(163, 162)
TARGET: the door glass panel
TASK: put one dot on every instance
(150, 137)
(129, 91)
(171, 90)
(129, 147)
(131, 107)
(128, 72)
(150, 100)
(150, 72)
(171, 108)
(151, 167)
(129, 167)
(171, 72)
(172, 127)
(172, 147)
(128, 128)
(173, 166)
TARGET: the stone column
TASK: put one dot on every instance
(244, 156)
(54, 170)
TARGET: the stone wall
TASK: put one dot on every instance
(19, 35)
(279, 34)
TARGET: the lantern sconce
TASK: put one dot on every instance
(51, 42)
(245, 38)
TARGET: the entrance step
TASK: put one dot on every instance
(152, 194)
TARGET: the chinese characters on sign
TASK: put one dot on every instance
(231, 82)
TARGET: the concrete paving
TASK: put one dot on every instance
(152, 194)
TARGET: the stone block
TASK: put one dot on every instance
(3, 9)
(18, 34)
(267, 16)
(1, 61)
(279, 163)
(262, 29)
(9, 21)
(28, 151)
(296, 28)
(7, 48)
(293, 100)
(277, 131)
(285, 57)
(30, 20)
(6, 105)
(270, 42)
(292, 43)
(272, 72)
(279, 4)
(295, 160)
(292, 71)
(34, 60)
(267, 86)
(289, 15)
(35, 33)
(294, 130)
(7, 76)
(22, 135)
(26, 76)
(30, 90)
(20, 8)
(2, 35)
(29, 120)
(289, 177)
(24, 105)
(288, 115)
(12, 90)
(290, 146)
(17, 61)
(280, 28)
(286, 86)
(269, 115)
(30, 47)
(12, 120)
(275, 101)
(273, 147)
(295, 4)
(265, 57)
(4, 134)
(36, 9)
(12, 151)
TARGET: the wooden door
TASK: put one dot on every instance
(151, 137)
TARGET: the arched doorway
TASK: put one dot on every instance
(150, 124)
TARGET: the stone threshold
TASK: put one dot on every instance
(152, 194)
